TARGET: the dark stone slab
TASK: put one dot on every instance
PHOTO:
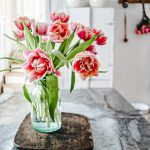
(75, 134)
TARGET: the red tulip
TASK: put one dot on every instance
(46, 38)
(86, 64)
(59, 16)
(76, 26)
(37, 64)
(92, 49)
(85, 33)
(19, 22)
(41, 28)
(58, 31)
(96, 31)
(33, 25)
(19, 34)
(101, 40)
(57, 73)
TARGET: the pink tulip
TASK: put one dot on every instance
(46, 38)
(76, 26)
(57, 73)
(85, 33)
(101, 40)
(96, 31)
(92, 49)
(19, 34)
(86, 64)
(33, 25)
(37, 64)
(59, 16)
(41, 28)
(19, 22)
(58, 31)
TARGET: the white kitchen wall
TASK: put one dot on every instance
(132, 59)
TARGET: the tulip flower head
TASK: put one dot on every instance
(86, 64)
(37, 64)
(59, 16)
(58, 31)
(19, 22)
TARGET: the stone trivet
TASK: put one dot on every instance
(75, 134)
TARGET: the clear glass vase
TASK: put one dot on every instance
(46, 105)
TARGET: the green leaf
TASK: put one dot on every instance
(43, 46)
(36, 39)
(52, 84)
(82, 47)
(21, 46)
(26, 94)
(72, 81)
(62, 46)
(49, 46)
(69, 40)
(53, 45)
(58, 54)
(13, 59)
(75, 45)
(29, 37)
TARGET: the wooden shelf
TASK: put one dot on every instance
(135, 1)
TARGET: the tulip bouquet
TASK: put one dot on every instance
(46, 48)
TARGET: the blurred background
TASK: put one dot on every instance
(127, 63)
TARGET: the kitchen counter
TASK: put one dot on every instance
(115, 124)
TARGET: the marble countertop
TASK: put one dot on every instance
(115, 124)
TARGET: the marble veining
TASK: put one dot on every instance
(115, 124)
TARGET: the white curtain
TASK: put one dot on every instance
(5, 28)
(9, 9)
(37, 9)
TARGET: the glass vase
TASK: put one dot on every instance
(46, 105)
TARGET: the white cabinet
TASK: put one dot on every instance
(100, 18)
(103, 18)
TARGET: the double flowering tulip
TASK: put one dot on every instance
(85, 33)
(86, 64)
(41, 29)
(59, 16)
(92, 49)
(101, 40)
(58, 31)
(19, 22)
(19, 34)
(37, 64)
